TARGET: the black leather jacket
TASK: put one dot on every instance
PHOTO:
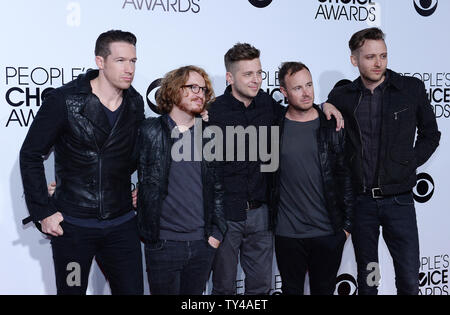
(155, 145)
(405, 108)
(336, 174)
(93, 163)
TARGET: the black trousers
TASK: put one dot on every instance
(117, 251)
(397, 215)
(320, 257)
(178, 267)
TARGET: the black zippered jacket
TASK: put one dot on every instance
(155, 145)
(93, 162)
(405, 110)
(336, 174)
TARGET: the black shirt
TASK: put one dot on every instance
(368, 115)
(243, 180)
(112, 115)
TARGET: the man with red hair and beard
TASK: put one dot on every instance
(180, 201)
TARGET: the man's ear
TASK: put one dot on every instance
(283, 91)
(229, 77)
(354, 59)
(100, 62)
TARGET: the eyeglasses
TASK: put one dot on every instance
(196, 89)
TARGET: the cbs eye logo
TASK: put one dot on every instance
(346, 285)
(424, 189)
(425, 7)
(152, 91)
(260, 3)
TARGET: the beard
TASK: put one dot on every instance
(192, 109)
(302, 107)
(373, 78)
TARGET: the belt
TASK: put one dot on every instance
(375, 193)
(253, 204)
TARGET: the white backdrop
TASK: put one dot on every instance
(48, 42)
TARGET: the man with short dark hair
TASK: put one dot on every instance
(180, 201)
(313, 196)
(92, 123)
(249, 236)
(383, 110)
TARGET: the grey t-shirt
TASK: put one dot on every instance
(182, 213)
(302, 209)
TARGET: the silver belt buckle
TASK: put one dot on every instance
(374, 190)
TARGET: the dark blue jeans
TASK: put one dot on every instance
(178, 267)
(397, 216)
(116, 249)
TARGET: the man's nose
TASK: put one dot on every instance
(129, 67)
(378, 61)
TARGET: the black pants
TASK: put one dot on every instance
(320, 256)
(117, 251)
(178, 267)
(397, 215)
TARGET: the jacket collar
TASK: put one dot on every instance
(393, 79)
(93, 111)
(237, 103)
(324, 123)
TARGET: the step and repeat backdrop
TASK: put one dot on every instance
(47, 43)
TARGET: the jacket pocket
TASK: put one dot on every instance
(403, 157)
(157, 246)
(401, 113)
(404, 199)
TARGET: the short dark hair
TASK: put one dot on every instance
(289, 68)
(358, 39)
(112, 36)
(240, 52)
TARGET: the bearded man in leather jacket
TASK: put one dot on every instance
(92, 124)
(180, 196)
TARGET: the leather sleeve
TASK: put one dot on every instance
(43, 133)
(344, 178)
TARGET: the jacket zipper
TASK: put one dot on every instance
(360, 139)
(379, 149)
(100, 185)
(396, 113)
